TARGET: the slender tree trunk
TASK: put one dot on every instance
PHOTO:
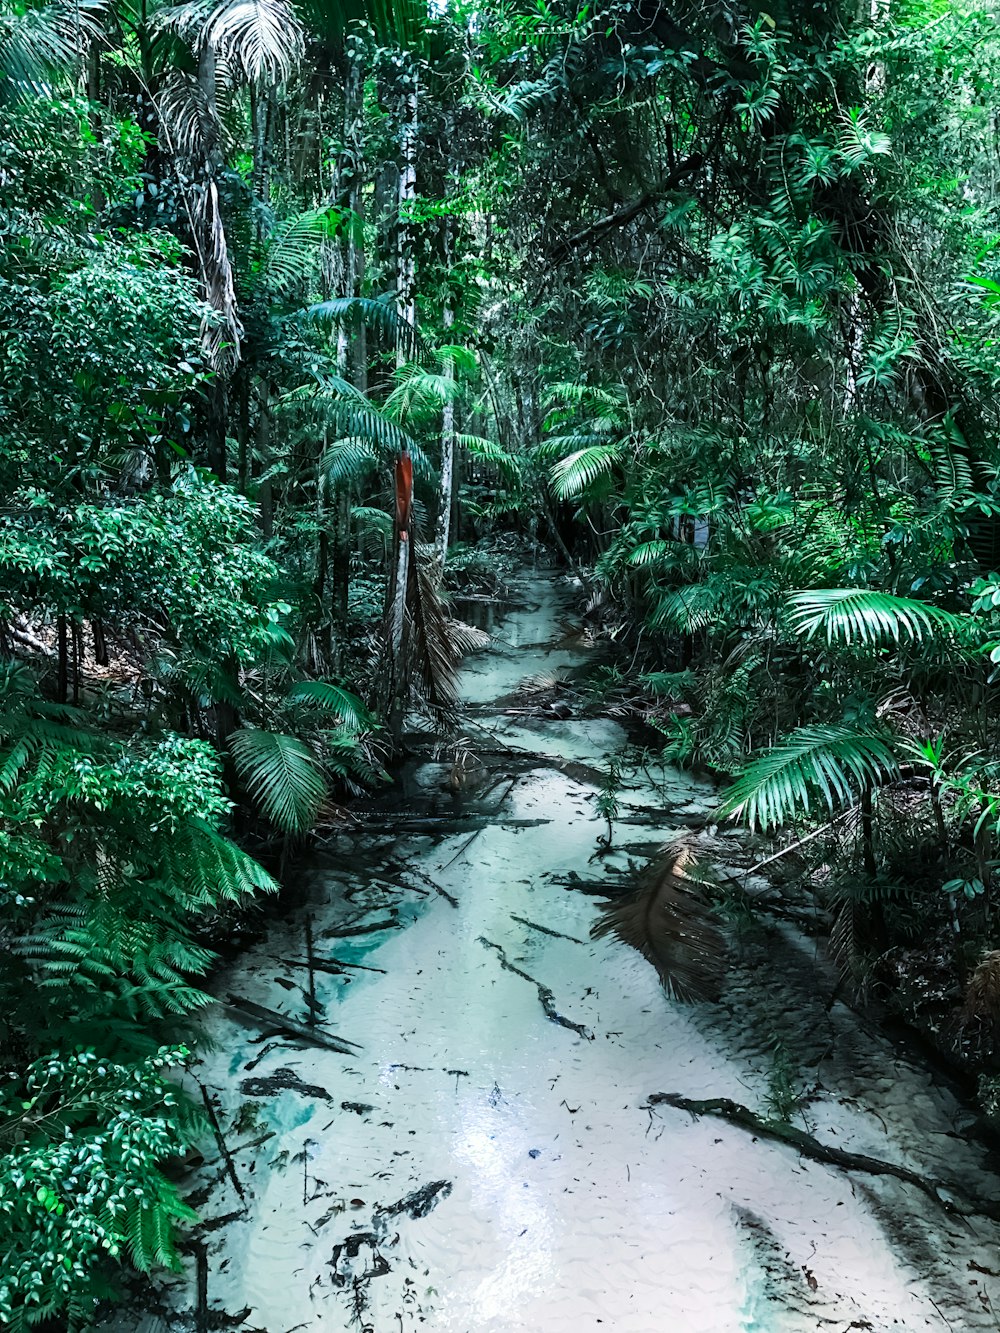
(100, 642)
(62, 648)
(263, 452)
(351, 352)
(77, 642)
(324, 629)
(398, 667)
(222, 344)
(243, 462)
(406, 289)
(447, 458)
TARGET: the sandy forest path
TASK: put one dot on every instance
(485, 1159)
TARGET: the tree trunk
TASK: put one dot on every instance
(406, 292)
(447, 459)
(62, 643)
(263, 453)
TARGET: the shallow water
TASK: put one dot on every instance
(538, 1191)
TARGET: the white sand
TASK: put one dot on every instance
(571, 1207)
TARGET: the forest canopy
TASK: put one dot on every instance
(311, 313)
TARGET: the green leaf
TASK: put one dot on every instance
(283, 776)
(820, 764)
(336, 700)
(866, 616)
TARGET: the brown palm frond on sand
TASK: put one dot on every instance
(982, 995)
(436, 651)
(668, 921)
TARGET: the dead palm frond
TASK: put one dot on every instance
(982, 995)
(436, 652)
(668, 921)
(190, 126)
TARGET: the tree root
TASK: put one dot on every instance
(810, 1147)
(545, 995)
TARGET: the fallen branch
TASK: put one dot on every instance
(280, 1081)
(369, 928)
(808, 1146)
(545, 995)
(412, 870)
(271, 1020)
(473, 836)
(445, 825)
(556, 934)
(220, 1140)
(331, 965)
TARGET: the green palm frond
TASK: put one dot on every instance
(655, 552)
(283, 776)
(292, 250)
(348, 460)
(326, 388)
(689, 609)
(38, 43)
(375, 312)
(421, 393)
(818, 764)
(573, 475)
(491, 451)
(460, 358)
(369, 519)
(582, 438)
(336, 700)
(262, 38)
(334, 401)
(583, 395)
(867, 616)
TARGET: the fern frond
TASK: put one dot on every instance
(215, 868)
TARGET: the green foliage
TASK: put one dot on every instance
(80, 1184)
(826, 765)
(283, 776)
(867, 616)
(335, 700)
(712, 313)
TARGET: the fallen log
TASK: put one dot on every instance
(737, 1114)
(272, 1021)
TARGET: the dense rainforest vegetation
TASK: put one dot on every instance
(309, 313)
